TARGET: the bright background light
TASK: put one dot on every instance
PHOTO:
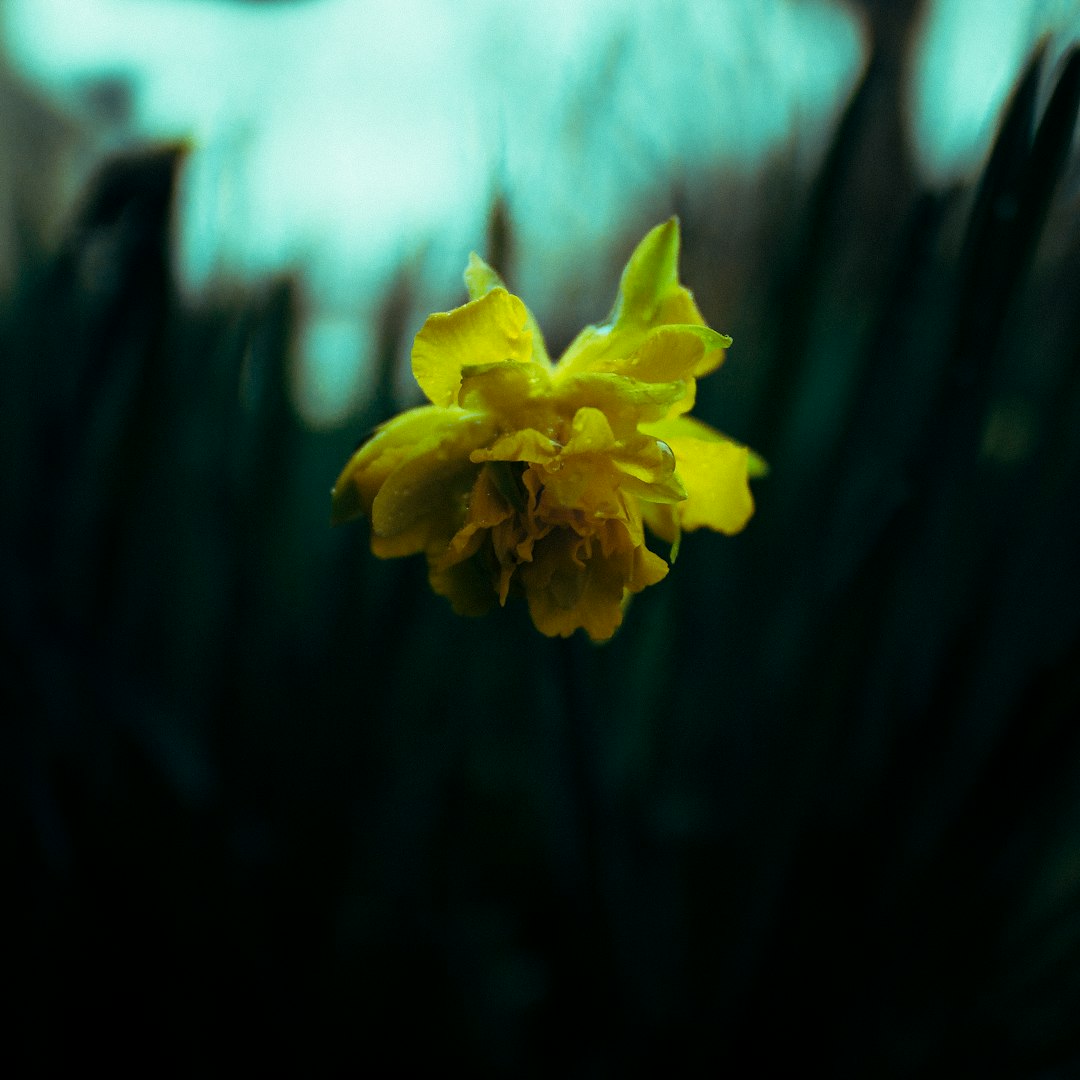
(355, 142)
(968, 57)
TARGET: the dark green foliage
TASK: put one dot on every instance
(815, 807)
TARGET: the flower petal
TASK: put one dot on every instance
(580, 490)
(488, 330)
(676, 352)
(590, 433)
(386, 450)
(717, 490)
(487, 508)
(715, 472)
(667, 490)
(650, 289)
(670, 353)
(421, 536)
(525, 445)
(569, 589)
(480, 279)
(433, 480)
(661, 520)
(577, 582)
(649, 296)
(518, 393)
(625, 402)
(650, 461)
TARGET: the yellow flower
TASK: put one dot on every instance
(536, 478)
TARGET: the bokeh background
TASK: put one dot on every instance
(270, 804)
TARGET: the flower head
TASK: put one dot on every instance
(524, 476)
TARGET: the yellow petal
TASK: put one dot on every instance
(649, 296)
(480, 279)
(651, 277)
(714, 474)
(596, 344)
(590, 433)
(433, 480)
(527, 445)
(484, 331)
(579, 582)
(581, 489)
(688, 427)
(625, 402)
(391, 445)
(647, 459)
(756, 465)
(486, 509)
(676, 352)
(648, 568)
(463, 571)
(678, 307)
(660, 517)
(666, 490)
(667, 354)
(411, 542)
(567, 591)
(518, 393)
(714, 470)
